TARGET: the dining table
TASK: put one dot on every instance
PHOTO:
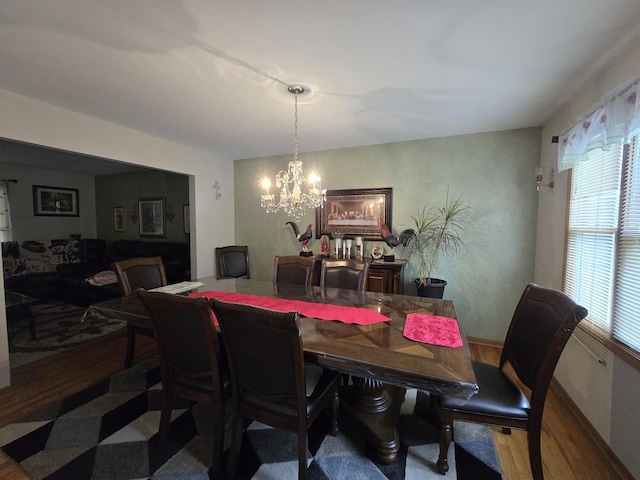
(367, 341)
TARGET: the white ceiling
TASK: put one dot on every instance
(213, 74)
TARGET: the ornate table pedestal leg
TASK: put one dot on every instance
(375, 407)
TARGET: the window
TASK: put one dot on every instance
(626, 313)
(602, 266)
(5, 214)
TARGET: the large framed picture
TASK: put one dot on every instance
(152, 217)
(354, 213)
(55, 201)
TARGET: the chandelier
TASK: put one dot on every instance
(293, 201)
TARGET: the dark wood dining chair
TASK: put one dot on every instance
(232, 262)
(345, 274)
(271, 383)
(293, 270)
(132, 274)
(540, 328)
(194, 365)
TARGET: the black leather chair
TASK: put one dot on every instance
(232, 262)
(132, 274)
(193, 363)
(271, 383)
(293, 270)
(346, 274)
(540, 328)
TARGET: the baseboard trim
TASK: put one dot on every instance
(617, 467)
(485, 341)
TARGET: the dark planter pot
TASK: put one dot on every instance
(431, 289)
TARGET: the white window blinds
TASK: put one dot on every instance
(592, 233)
(626, 324)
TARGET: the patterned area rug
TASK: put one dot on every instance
(58, 326)
(108, 431)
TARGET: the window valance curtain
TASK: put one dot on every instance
(614, 121)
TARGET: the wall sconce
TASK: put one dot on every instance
(216, 186)
(170, 213)
(540, 178)
(134, 214)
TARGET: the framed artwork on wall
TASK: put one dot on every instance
(354, 213)
(55, 202)
(118, 219)
(151, 213)
(186, 215)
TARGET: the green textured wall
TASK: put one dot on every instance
(124, 190)
(493, 172)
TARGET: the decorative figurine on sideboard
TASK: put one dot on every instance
(303, 238)
(390, 239)
(324, 246)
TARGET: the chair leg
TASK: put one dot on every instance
(236, 442)
(302, 453)
(535, 457)
(165, 417)
(218, 437)
(335, 410)
(131, 345)
(446, 435)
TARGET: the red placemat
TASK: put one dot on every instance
(432, 329)
(357, 315)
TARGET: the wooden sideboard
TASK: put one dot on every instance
(384, 277)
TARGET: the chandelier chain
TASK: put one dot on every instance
(295, 130)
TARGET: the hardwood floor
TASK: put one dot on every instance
(568, 451)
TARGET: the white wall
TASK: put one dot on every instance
(29, 120)
(605, 402)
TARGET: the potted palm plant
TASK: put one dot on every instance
(436, 233)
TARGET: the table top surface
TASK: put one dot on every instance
(377, 351)
(14, 299)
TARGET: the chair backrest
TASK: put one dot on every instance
(346, 274)
(186, 335)
(142, 272)
(293, 270)
(264, 348)
(232, 262)
(541, 326)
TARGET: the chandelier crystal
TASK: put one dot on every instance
(293, 200)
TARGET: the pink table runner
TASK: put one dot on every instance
(432, 329)
(357, 315)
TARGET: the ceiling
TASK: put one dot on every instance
(213, 74)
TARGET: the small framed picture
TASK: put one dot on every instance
(186, 215)
(118, 219)
(152, 217)
(55, 201)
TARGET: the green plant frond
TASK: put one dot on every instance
(439, 232)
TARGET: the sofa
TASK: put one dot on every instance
(79, 271)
